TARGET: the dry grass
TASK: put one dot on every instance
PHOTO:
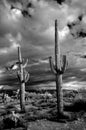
(41, 112)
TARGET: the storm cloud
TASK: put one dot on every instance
(31, 24)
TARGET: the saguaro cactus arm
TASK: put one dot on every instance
(26, 76)
(18, 76)
(52, 66)
(25, 64)
(64, 64)
(63, 68)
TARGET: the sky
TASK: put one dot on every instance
(34, 30)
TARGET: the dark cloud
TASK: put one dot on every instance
(60, 1)
(77, 28)
(37, 31)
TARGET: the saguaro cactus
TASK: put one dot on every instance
(58, 70)
(23, 77)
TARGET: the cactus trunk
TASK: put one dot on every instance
(22, 83)
(59, 92)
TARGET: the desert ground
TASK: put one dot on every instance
(32, 25)
(41, 105)
(41, 111)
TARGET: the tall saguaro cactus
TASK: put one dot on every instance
(23, 77)
(22, 84)
(58, 69)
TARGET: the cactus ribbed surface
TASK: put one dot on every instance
(22, 83)
(58, 76)
(58, 70)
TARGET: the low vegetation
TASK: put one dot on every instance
(41, 112)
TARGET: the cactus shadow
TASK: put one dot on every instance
(76, 106)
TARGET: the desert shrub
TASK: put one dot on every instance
(76, 106)
(76, 125)
(1, 124)
(8, 122)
